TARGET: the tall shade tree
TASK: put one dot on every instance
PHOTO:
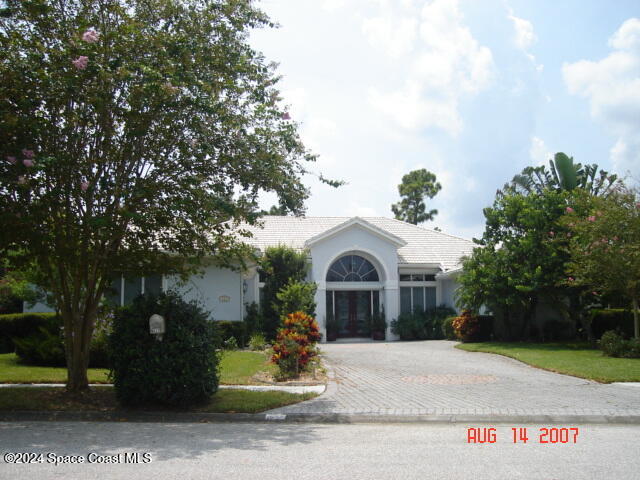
(605, 245)
(133, 136)
(520, 263)
(415, 186)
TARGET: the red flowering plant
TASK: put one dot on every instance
(466, 326)
(295, 344)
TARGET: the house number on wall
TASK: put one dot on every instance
(224, 298)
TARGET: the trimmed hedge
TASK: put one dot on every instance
(603, 320)
(21, 325)
(447, 328)
(422, 325)
(237, 330)
(179, 370)
(614, 345)
(37, 340)
(469, 327)
(485, 333)
(558, 330)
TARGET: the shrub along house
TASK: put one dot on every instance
(361, 265)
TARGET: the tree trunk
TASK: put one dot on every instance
(78, 346)
(77, 378)
(506, 321)
(636, 319)
(526, 320)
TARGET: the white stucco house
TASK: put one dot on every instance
(359, 265)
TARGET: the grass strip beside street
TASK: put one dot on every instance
(104, 399)
(236, 368)
(13, 372)
(577, 359)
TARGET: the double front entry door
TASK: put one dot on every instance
(353, 311)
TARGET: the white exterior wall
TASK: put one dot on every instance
(448, 287)
(37, 308)
(357, 240)
(211, 289)
(251, 295)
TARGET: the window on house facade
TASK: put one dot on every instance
(421, 277)
(133, 286)
(412, 298)
(352, 268)
(417, 292)
(262, 276)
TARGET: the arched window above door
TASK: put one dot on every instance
(352, 268)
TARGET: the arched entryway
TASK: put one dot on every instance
(353, 295)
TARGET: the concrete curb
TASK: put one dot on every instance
(298, 418)
(255, 388)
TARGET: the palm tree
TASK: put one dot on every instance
(562, 175)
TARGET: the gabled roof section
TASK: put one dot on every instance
(421, 246)
(356, 221)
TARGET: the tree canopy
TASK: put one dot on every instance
(604, 236)
(519, 263)
(415, 186)
(563, 174)
(134, 135)
(524, 254)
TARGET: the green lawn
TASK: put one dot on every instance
(236, 368)
(104, 399)
(575, 359)
(12, 372)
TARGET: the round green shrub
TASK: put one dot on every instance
(45, 347)
(614, 345)
(99, 348)
(434, 319)
(447, 328)
(179, 370)
(20, 325)
(40, 339)
(257, 342)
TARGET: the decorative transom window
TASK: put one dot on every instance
(352, 268)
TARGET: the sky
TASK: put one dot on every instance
(473, 91)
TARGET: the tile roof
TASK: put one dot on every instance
(423, 245)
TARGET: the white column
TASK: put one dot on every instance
(321, 309)
(391, 306)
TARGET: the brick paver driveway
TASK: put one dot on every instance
(433, 377)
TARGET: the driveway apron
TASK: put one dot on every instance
(434, 378)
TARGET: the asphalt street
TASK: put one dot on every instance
(309, 451)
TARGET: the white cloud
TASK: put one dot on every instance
(448, 64)
(524, 37)
(356, 209)
(538, 151)
(332, 5)
(316, 131)
(612, 86)
(394, 36)
(296, 99)
(410, 109)
(628, 35)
